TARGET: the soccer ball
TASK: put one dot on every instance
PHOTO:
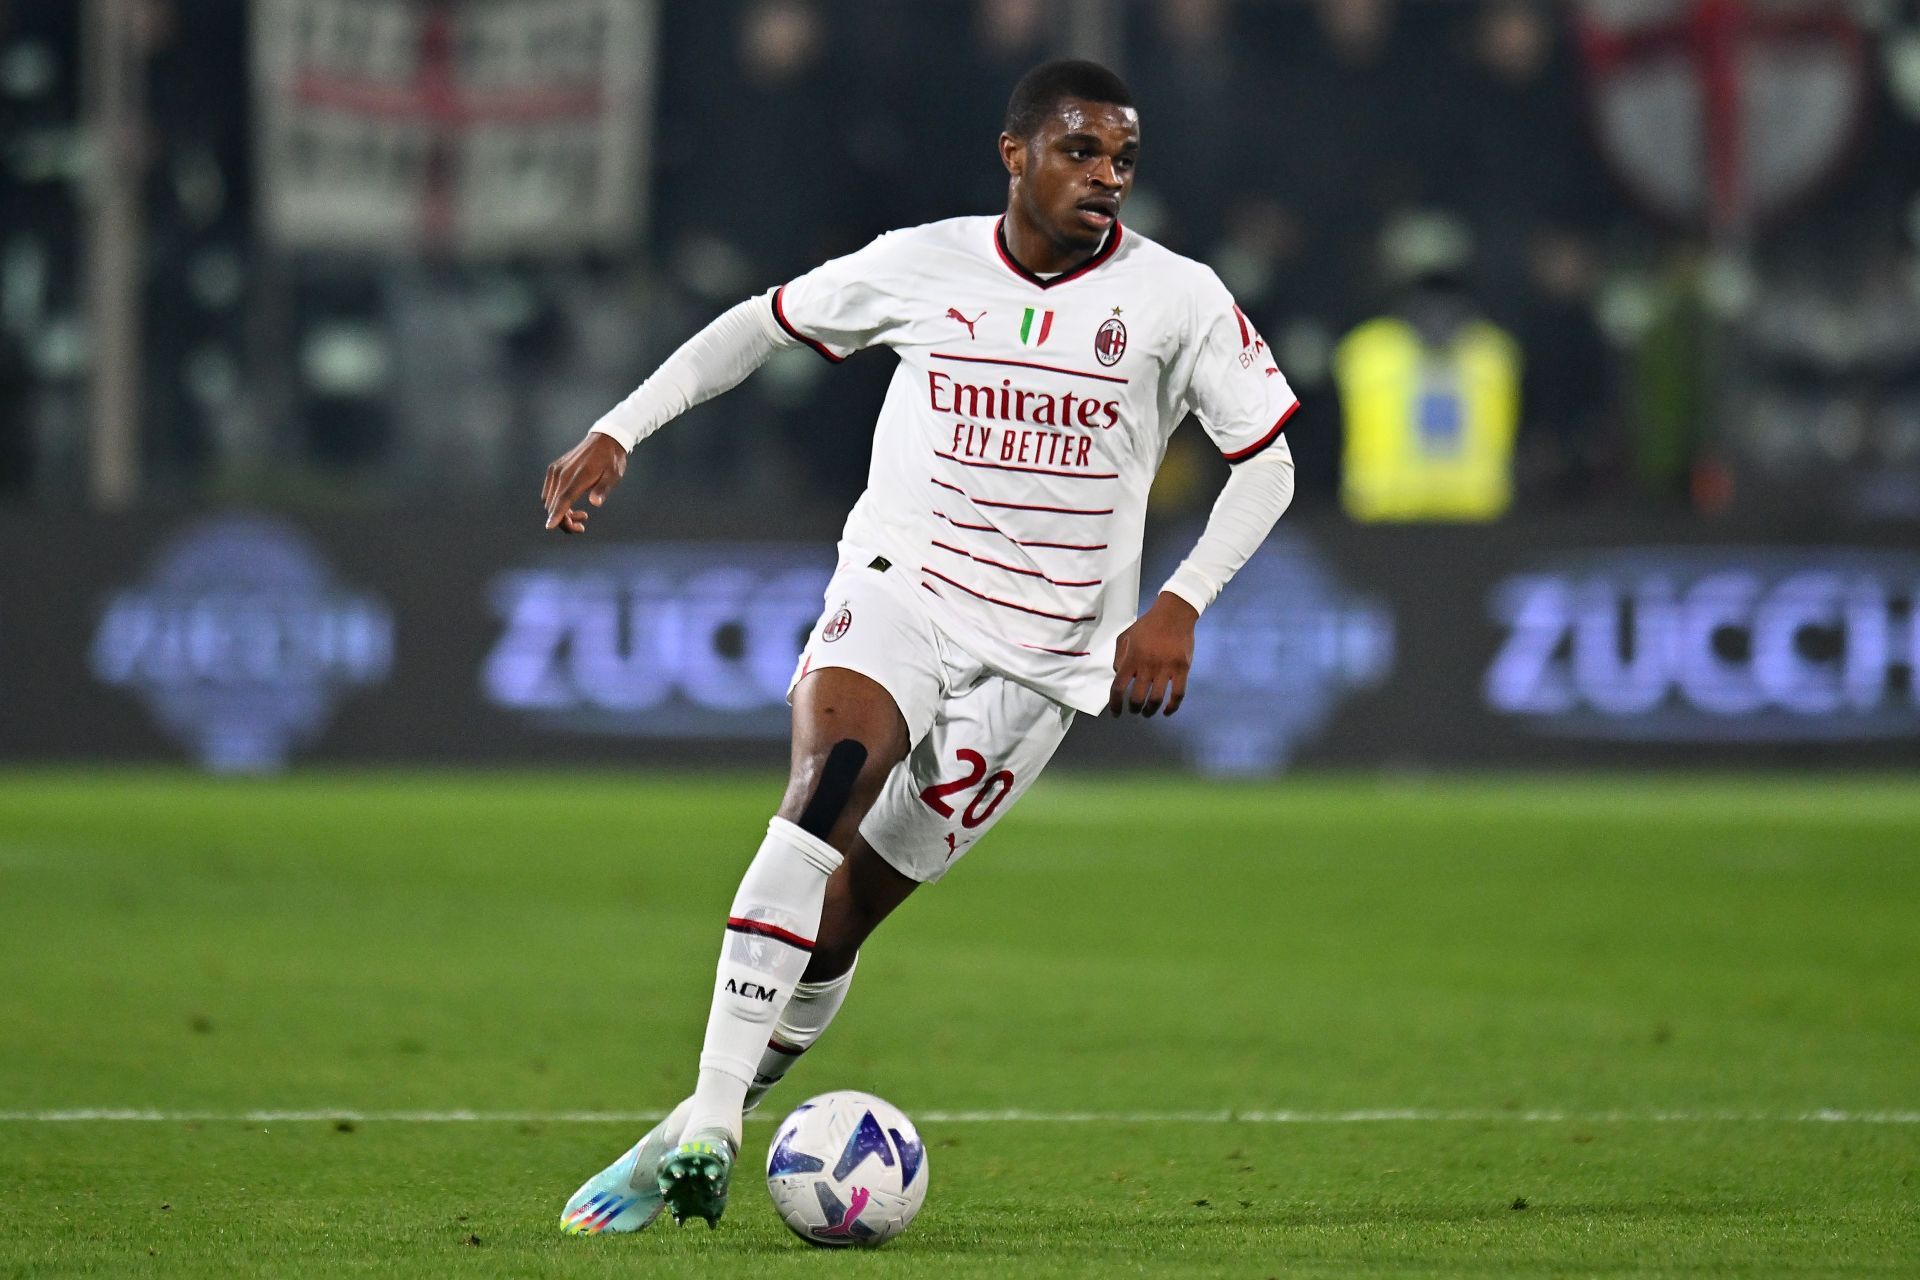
(847, 1168)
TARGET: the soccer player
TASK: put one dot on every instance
(988, 577)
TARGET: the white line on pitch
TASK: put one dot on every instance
(1409, 1114)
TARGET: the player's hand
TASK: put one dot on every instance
(1152, 657)
(590, 469)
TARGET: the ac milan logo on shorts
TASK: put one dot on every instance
(837, 626)
(1110, 343)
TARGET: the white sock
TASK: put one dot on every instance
(666, 1135)
(805, 1017)
(770, 933)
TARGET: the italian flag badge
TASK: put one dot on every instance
(1035, 326)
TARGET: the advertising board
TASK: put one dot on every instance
(248, 643)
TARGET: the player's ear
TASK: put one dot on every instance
(1013, 153)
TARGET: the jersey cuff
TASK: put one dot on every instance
(616, 434)
(1190, 587)
(1241, 455)
(780, 315)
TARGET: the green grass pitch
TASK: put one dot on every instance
(1676, 970)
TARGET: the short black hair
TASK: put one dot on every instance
(1045, 87)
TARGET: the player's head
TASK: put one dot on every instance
(1070, 142)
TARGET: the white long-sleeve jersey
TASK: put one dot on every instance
(1022, 429)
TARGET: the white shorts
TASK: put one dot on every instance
(979, 739)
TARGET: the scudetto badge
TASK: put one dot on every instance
(1110, 343)
(837, 625)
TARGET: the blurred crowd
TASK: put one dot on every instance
(1366, 175)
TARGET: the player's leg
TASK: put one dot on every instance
(861, 893)
(870, 682)
(925, 822)
(848, 734)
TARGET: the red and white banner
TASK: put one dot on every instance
(479, 128)
(1724, 112)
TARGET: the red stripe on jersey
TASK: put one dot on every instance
(1004, 604)
(987, 528)
(1046, 327)
(1243, 454)
(740, 924)
(1035, 471)
(1029, 573)
(1246, 338)
(780, 315)
(961, 524)
(1065, 653)
(1106, 251)
(1020, 506)
(1025, 506)
(1027, 364)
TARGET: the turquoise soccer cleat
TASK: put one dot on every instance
(694, 1177)
(624, 1196)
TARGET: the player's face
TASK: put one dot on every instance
(1072, 175)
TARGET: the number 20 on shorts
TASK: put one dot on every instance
(992, 791)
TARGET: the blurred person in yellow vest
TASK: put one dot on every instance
(1429, 395)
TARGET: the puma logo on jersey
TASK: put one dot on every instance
(953, 313)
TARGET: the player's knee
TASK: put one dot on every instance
(835, 781)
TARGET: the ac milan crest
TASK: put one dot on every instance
(1110, 343)
(837, 626)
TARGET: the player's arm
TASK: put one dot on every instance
(836, 309)
(1152, 657)
(1243, 401)
(714, 360)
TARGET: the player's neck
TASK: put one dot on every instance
(1031, 248)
